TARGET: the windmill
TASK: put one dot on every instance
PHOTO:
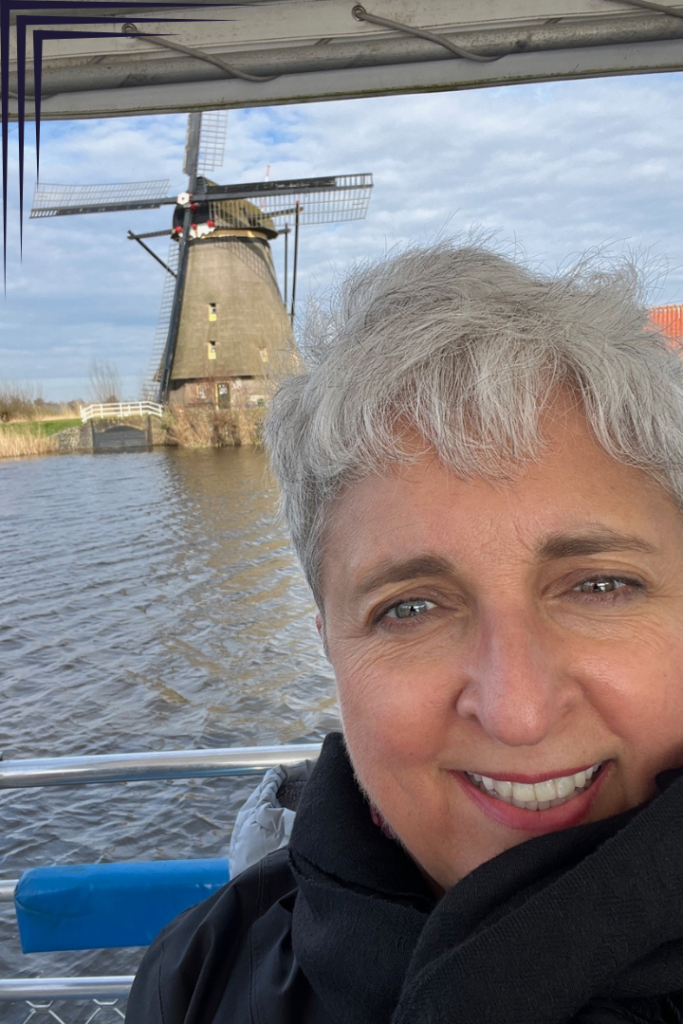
(224, 325)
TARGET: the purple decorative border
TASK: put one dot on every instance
(24, 20)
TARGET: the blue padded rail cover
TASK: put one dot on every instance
(100, 906)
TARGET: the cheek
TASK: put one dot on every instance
(638, 693)
(391, 714)
(651, 714)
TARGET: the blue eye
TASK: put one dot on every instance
(601, 585)
(409, 609)
(608, 589)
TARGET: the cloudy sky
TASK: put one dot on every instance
(554, 169)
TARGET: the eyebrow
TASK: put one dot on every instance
(391, 571)
(555, 547)
(593, 542)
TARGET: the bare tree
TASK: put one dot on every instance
(105, 383)
(19, 400)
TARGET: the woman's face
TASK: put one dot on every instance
(493, 641)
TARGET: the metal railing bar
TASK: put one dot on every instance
(165, 764)
(7, 887)
(105, 987)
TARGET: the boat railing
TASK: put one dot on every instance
(154, 765)
(111, 987)
(106, 991)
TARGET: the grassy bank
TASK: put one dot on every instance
(184, 428)
(40, 428)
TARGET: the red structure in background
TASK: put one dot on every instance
(670, 320)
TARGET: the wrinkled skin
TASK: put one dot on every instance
(549, 635)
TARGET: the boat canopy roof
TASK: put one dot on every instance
(166, 58)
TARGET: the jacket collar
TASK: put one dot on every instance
(334, 830)
(534, 934)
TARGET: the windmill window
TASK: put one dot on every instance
(212, 350)
(213, 314)
(263, 352)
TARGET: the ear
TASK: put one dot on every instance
(320, 626)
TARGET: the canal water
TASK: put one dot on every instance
(149, 601)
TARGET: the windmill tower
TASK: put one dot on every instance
(234, 327)
(224, 328)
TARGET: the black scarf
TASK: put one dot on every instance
(588, 917)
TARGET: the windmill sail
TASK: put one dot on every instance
(150, 384)
(212, 134)
(60, 200)
(342, 197)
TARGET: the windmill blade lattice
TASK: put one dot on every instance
(343, 197)
(61, 200)
(212, 136)
(150, 385)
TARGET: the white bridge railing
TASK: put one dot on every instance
(118, 410)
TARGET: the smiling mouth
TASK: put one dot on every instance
(537, 796)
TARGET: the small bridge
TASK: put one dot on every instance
(120, 410)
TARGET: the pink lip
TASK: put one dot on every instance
(551, 820)
(541, 777)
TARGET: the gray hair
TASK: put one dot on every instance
(467, 347)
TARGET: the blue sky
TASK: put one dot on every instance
(553, 169)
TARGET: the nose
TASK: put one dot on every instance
(517, 684)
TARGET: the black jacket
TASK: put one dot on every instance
(229, 959)
(581, 926)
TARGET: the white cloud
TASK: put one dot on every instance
(560, 168)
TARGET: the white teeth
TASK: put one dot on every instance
(565, 786)
(538, 795)
(523, 791)
(546, 790)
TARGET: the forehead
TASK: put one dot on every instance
(574, 487)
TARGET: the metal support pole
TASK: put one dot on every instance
(286, 234)
(7, 887)
(172, 336)
(136, 238)
(295, 261)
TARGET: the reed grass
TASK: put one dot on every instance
(207, 428)
(15, 443)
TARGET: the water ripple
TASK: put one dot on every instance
(149, 601)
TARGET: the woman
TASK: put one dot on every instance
(483, 476)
